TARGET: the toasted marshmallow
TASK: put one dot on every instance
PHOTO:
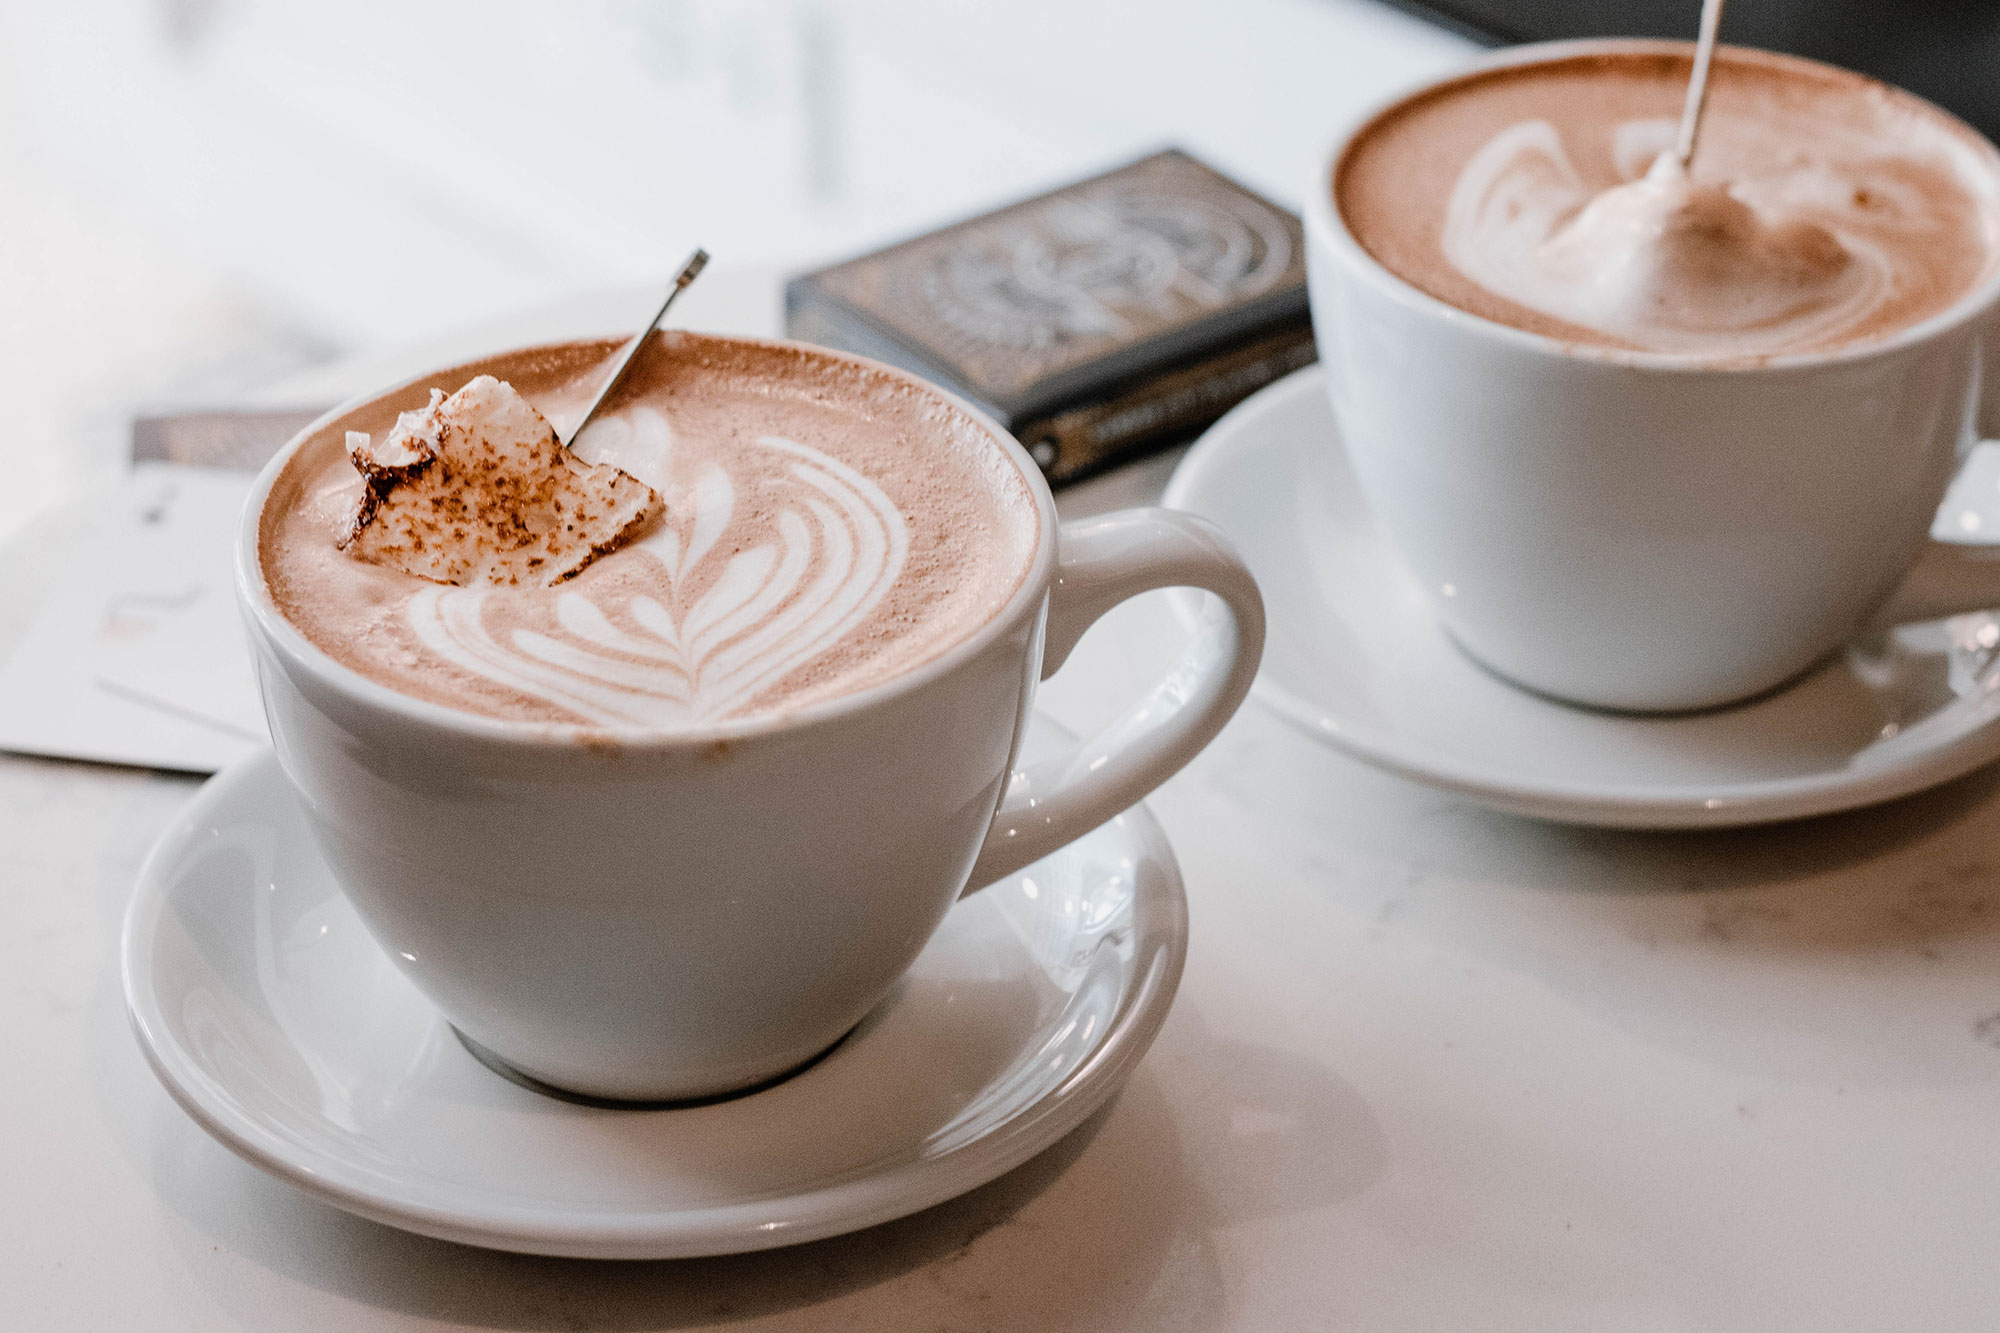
(476, 489)
(412, 440)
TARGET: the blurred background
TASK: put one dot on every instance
(1946, 50)
(203, 200)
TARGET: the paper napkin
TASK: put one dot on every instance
(136, 654)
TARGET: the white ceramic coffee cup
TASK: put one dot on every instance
(1641, 531)
(678, 915)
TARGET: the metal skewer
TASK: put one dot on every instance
(689, 272)
(1697, 98)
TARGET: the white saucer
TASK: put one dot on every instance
(276, 1022)
(1355, 659)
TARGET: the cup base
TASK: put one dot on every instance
(1363, 668)
(1638, 711)
(270, 1012)
(520, 1078)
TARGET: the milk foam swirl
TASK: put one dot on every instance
(745, 603)
(1665, 263)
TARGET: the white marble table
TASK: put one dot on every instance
(1430, 1068)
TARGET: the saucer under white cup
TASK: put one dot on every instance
(278, 1023)
(1355, 658)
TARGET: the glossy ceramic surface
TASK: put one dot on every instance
(652, 914)
(1356, 659)
(277, 1023)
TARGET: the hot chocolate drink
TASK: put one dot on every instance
(827, 526)
(1822, 209)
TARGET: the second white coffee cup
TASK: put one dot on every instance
(1645, 532)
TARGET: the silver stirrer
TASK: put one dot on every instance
(691, 270)
(1704, 52)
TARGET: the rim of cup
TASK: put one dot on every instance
(331, 674)
(1324, 223)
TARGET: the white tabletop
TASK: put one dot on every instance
(1430, 1067)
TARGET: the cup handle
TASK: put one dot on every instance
(1101, 562)
(1947, 579)
(1950, 578)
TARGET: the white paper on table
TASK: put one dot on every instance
(137, 654)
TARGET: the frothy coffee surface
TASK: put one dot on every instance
(827, 527)
(1823, 208)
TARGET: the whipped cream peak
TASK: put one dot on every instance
(1663, 262)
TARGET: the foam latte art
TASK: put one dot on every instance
(824, 526)
(718, 637)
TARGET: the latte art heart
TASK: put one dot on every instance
(824, 526)
(729, 625)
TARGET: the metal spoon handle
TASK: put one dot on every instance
(689, 272)
(1697, 97)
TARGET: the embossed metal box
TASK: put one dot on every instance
(1118, 313)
